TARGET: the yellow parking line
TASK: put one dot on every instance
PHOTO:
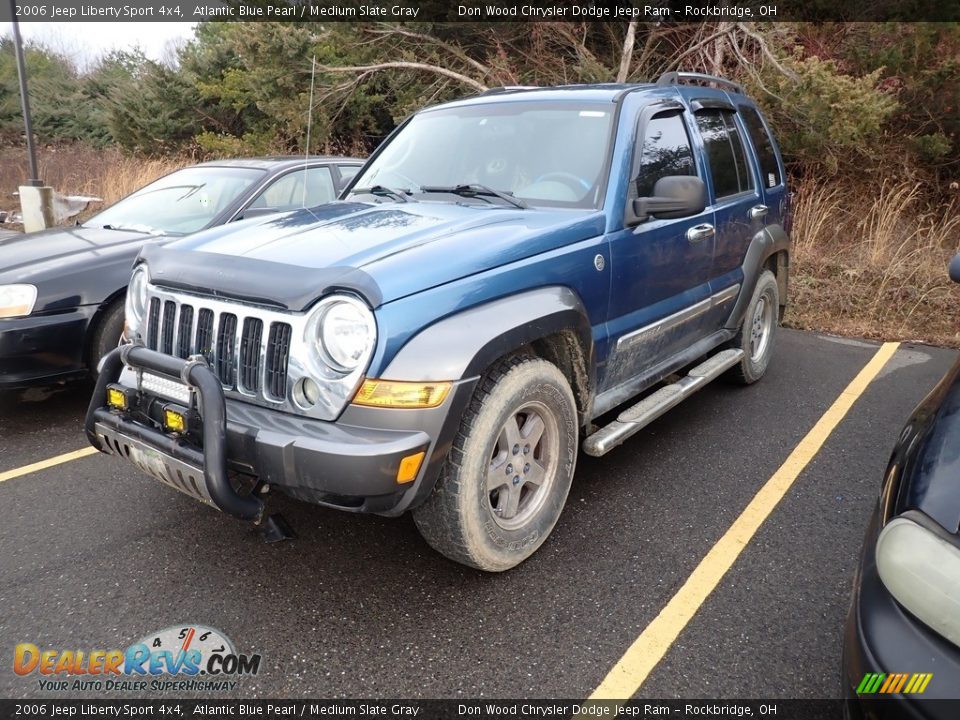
(48, 463)
(630, 672)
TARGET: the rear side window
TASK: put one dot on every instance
(769, 168)
(665, 151)
(728, 160)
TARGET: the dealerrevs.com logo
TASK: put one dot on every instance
(182, 658)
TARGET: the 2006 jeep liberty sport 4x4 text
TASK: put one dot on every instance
(504, 270)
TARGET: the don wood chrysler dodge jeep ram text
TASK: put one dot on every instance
(504, 272)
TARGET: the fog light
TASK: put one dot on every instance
(409, 467)
(175, 419)
(306, 393)
(395, 394)
(119, 397)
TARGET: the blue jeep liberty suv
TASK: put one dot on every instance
(504, 272)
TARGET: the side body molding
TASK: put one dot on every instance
(772, 239)
(465, 344)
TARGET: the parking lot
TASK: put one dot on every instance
(95, 555)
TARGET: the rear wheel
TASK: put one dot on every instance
(107, 334)
(757, 331)
(509, 471)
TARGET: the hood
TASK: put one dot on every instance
(401, 248)
(32, 257)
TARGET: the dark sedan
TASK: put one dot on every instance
(901, 655)
(62, 290)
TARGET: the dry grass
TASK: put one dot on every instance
(80, 170)
(873, 263)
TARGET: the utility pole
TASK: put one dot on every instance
(24, 97)
(36, 200)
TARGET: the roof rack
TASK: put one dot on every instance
(508, 89)
(675, 78)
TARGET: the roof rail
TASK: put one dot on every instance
(508, 89)
(675, 78)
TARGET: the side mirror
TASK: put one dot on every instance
(257, 212)
(955, 268)
(674, 196)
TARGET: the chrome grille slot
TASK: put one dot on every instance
(250, 341)
(204, 344)
(153, 323)
(185, 331)
(278, 355)
(226, 348)
(166, 329)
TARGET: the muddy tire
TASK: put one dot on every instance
(506, 479)
(106, 336)
(757, 331)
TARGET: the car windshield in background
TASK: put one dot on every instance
(543, 153)
(183, 202)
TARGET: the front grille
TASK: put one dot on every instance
(247, 353)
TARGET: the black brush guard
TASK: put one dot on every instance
(195, 373)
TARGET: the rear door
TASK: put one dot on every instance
(736, 197)
(772, 175)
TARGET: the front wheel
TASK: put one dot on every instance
(106, 336)
(757, 331)
(506, 479)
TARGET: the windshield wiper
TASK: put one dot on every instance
(136, 228)
(382, 190)
(475, 190)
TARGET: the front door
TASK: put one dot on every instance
(660, 268)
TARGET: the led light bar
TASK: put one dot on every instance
(165, 388)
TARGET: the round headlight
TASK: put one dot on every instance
(346, 334)
(922, 571)
(137, 297)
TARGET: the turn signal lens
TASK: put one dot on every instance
(409, 467)
(396, 394)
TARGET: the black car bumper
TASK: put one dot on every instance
(881, 637)
(350, 464)
(40, 349)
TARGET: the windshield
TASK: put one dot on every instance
(544, 153)
(183, 202)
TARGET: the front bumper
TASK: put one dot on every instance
(39, 349)
(350, 464)
(881, 637)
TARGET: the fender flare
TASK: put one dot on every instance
(463, 345)
(769, 241)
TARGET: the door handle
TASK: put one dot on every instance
(758, 211)
(699, 233)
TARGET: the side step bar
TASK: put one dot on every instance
(656, 404)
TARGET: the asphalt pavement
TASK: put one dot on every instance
(94, 555)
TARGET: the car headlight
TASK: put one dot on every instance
(922, 571)
(136, 306)
(17, 300)
(346, 333)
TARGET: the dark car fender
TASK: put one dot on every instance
(462, 346)
(769, 242)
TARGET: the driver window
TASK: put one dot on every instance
(288, 192)
(665, 151)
